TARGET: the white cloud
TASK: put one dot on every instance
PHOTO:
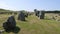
(4, 5)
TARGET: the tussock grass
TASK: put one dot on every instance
(33, 25)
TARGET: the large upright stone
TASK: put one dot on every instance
(35, 10)
(12, 21)
(26, 15)
(21, 16)
(10, 24)
(37, 13)
(42, 13)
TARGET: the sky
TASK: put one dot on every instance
(30, 5)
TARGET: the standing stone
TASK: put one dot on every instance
(12, 21)
(21, 16)
(10, 24)
(42, 13)
(26, 15)
(38, 13)
(35, 10)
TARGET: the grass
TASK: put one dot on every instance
(33, 25)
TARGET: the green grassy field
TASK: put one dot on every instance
(33, 25)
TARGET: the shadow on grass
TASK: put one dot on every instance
(23, 20)
(15, 30)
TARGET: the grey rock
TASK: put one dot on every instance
(21, 16)
(42, 13)
(10, 23)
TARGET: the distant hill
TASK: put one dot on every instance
(4, 10)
